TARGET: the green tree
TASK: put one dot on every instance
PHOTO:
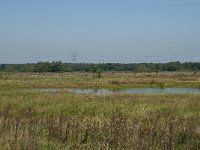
(42, 67)
(56, 66)
(99, 72)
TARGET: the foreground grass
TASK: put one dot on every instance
(115, 121)
(63, 120)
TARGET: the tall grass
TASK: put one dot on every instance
(163, 129)
(115, 121)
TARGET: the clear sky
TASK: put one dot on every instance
(125, 31)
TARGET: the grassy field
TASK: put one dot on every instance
(63, 120)
(110, 80)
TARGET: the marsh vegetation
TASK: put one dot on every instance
(64, 120)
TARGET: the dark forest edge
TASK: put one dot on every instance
(58, 66)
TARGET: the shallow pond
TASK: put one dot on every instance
(127, 90)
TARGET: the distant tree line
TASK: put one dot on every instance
(58, 66)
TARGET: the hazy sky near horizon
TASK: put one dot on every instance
(124, 31)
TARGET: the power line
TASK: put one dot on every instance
(160, 57)
(84, 57)
(74, 56)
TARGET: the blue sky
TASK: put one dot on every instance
(123, 31)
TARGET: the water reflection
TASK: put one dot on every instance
(128, 90)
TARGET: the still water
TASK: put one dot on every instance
(127, 90)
